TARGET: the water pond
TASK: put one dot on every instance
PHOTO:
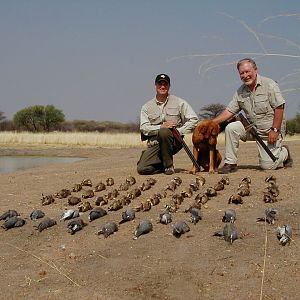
(9, 164)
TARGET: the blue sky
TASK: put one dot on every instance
(97, 60)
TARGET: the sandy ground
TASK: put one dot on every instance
(53, 264)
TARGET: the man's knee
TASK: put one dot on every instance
(164, 133)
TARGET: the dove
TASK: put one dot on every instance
(96, 213)
(37, 214)
(75, 225)
(8, 214)
(144, 227)
(77, 187)
(195, 215)
(219, 186)
(127, 215)
(100, 187)
(284, 234)
(165, 217)
(180, 228)
(69, 214)
(229, 216)
(236, 199)
(108, 229)
(110, 181)
(48, 199)
(73, 200)
(100, 201)
(270, 216)
(86, 182)
(13, 222)
(229, 233)
(46, 223)
(131, 180)
(211, 192)
(200, 180)
(225, 180)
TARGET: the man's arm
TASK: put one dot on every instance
(278, 117)
(145, 126)
(190, 118)
(223, 116)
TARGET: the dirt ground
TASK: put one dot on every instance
(53, 264)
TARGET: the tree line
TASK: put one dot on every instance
(39, 118)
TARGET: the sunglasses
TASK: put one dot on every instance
(162, 83)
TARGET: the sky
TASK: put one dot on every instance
(97, 59)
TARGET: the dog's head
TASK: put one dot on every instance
(206, 131)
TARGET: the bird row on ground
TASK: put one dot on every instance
(229, 232)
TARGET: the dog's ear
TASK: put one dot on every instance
(214, 130)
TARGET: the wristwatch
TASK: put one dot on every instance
(274, 129)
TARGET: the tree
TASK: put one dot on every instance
(2, 117)
(39, 118)
(210, 111)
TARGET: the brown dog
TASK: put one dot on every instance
(205, 140)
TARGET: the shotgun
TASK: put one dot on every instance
(180, 139)
(249, 126)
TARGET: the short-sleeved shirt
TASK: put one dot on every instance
(258, 105)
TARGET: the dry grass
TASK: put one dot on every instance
(85, 139)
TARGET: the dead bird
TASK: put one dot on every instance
(177, 180)
(144, 227)
(284, 234)
(46, 223)
(219, 186)
(115, 193)
(155, 199)
(229, 216)
(196, 215)
(145, 205)
(86, 182)
(115, 205)
(235, 199)
(172, 206)
(243, 190)
(187, 193)
(64, 193)
(246, 180)
(225, 180)
(171, 186)
(134, 193)
(109, 196)
(270, 178)
(96, 213)
(165, 217)
(202, 198)
(48, 199)
(36, 214)
(151, 181)
(69, 214)
(177, 198)
(200, 180)
(229, 233)
(195, 204)
(108, 229)
(124, 186)
(270, 216)
(110, 181)
(268, 197)
(100, 201)
(8, 214)
(125, 200)
(180, 228)
(194, 186)
(211, 192)
(130, 180)
(85, 206)
(99, 187)
(87, 194)
(145, 186)
(73, 200)
(75, 225)
(77, 187)
(127, 215)
(13, 222)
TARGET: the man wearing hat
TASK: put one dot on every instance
(158, 117)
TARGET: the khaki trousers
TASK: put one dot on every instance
(235, 132)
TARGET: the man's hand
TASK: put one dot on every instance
(272, 138)
(168, 124)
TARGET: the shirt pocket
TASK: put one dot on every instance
(261, 104)
(172, 113)
(154, 118)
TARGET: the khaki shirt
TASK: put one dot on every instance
(258, 105)
(153, 114)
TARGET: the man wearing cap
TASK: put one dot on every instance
(158, 117)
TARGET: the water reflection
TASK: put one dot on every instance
(10, 164)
